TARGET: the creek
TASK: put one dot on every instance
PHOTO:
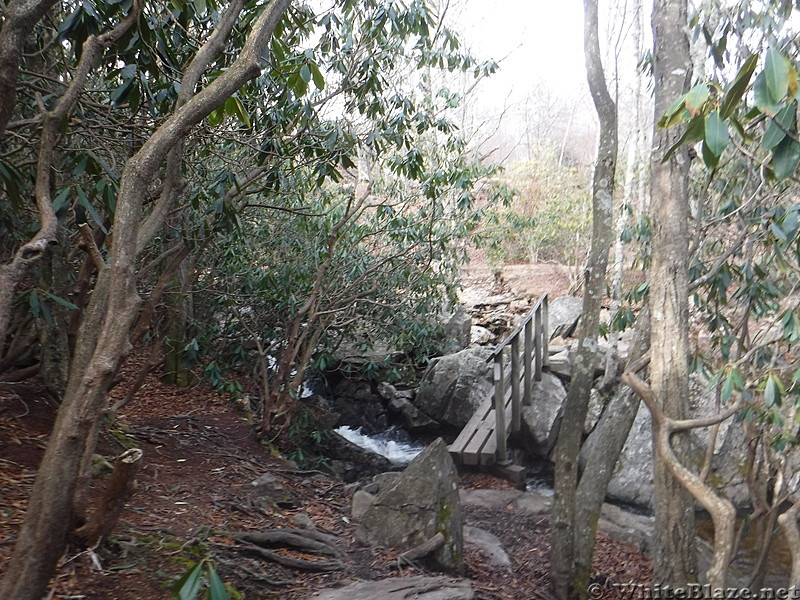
(394, 444)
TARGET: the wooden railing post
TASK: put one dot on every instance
(528, 366)
(499, 406)
(516, 397)
(545, 332)
(538, 335)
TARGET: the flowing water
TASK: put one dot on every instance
(394, 443)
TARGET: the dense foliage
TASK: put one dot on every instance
(329, 191)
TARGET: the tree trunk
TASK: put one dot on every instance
(20, 18)
(118, 491)
(674, 561)
(600, 454)
(104, 334)
(566, 581)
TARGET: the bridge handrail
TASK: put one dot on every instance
(534, 335)
(540, 306)
(481, 441)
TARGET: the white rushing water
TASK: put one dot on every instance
(385, 444)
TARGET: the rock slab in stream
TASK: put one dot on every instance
(420, 503)
(453, 386)
(351, 462)
(402, 588)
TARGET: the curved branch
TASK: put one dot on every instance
(189, 81)
(28, 253)
(721, 510)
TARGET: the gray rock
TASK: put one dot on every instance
(493, 499)
(385, 480)
(534, 502)
(454, 386)
(351, 462)
(480, 335)
(633, 529)
(358, 405)
(487, 544)
(362, 348)
(402, 588)
(633, 476)
(413, 418)
(632, 481)
(361, 502)
(381, 481)
(268, 492)
(457, 331)
(623, 525)
(561, 364)
(387, 391)
(422, 502)
(540, 418)
(563, 315)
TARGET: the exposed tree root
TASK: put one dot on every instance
(307, 540)
(424, 549)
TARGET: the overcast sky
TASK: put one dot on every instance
(533, 39)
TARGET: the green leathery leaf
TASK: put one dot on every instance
(777, 74)
(739, 86)
(694, 132)
(61, 301)
(316, 75)
(696, 97)
(709, 157)
(673, 110)
(84, 201)
(215, 117)
(775, 133)
(305, 73)
(772, 392)
(216, 589)
(785, 158)
(716, 133)
(187, 587)
(765, 101)
(35, 304)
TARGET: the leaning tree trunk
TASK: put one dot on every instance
(674, 560)
(565, 580)
(600, 453)
(104, 335)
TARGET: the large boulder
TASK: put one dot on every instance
(563, 315)
(350, 462)
(480, 336)
(541, 417)
(632, 481)
(457, 331)
(455, 385)
(402, 588)
(415, 506)
(399, 403)
(359, 405)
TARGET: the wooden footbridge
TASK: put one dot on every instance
(518, 362)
